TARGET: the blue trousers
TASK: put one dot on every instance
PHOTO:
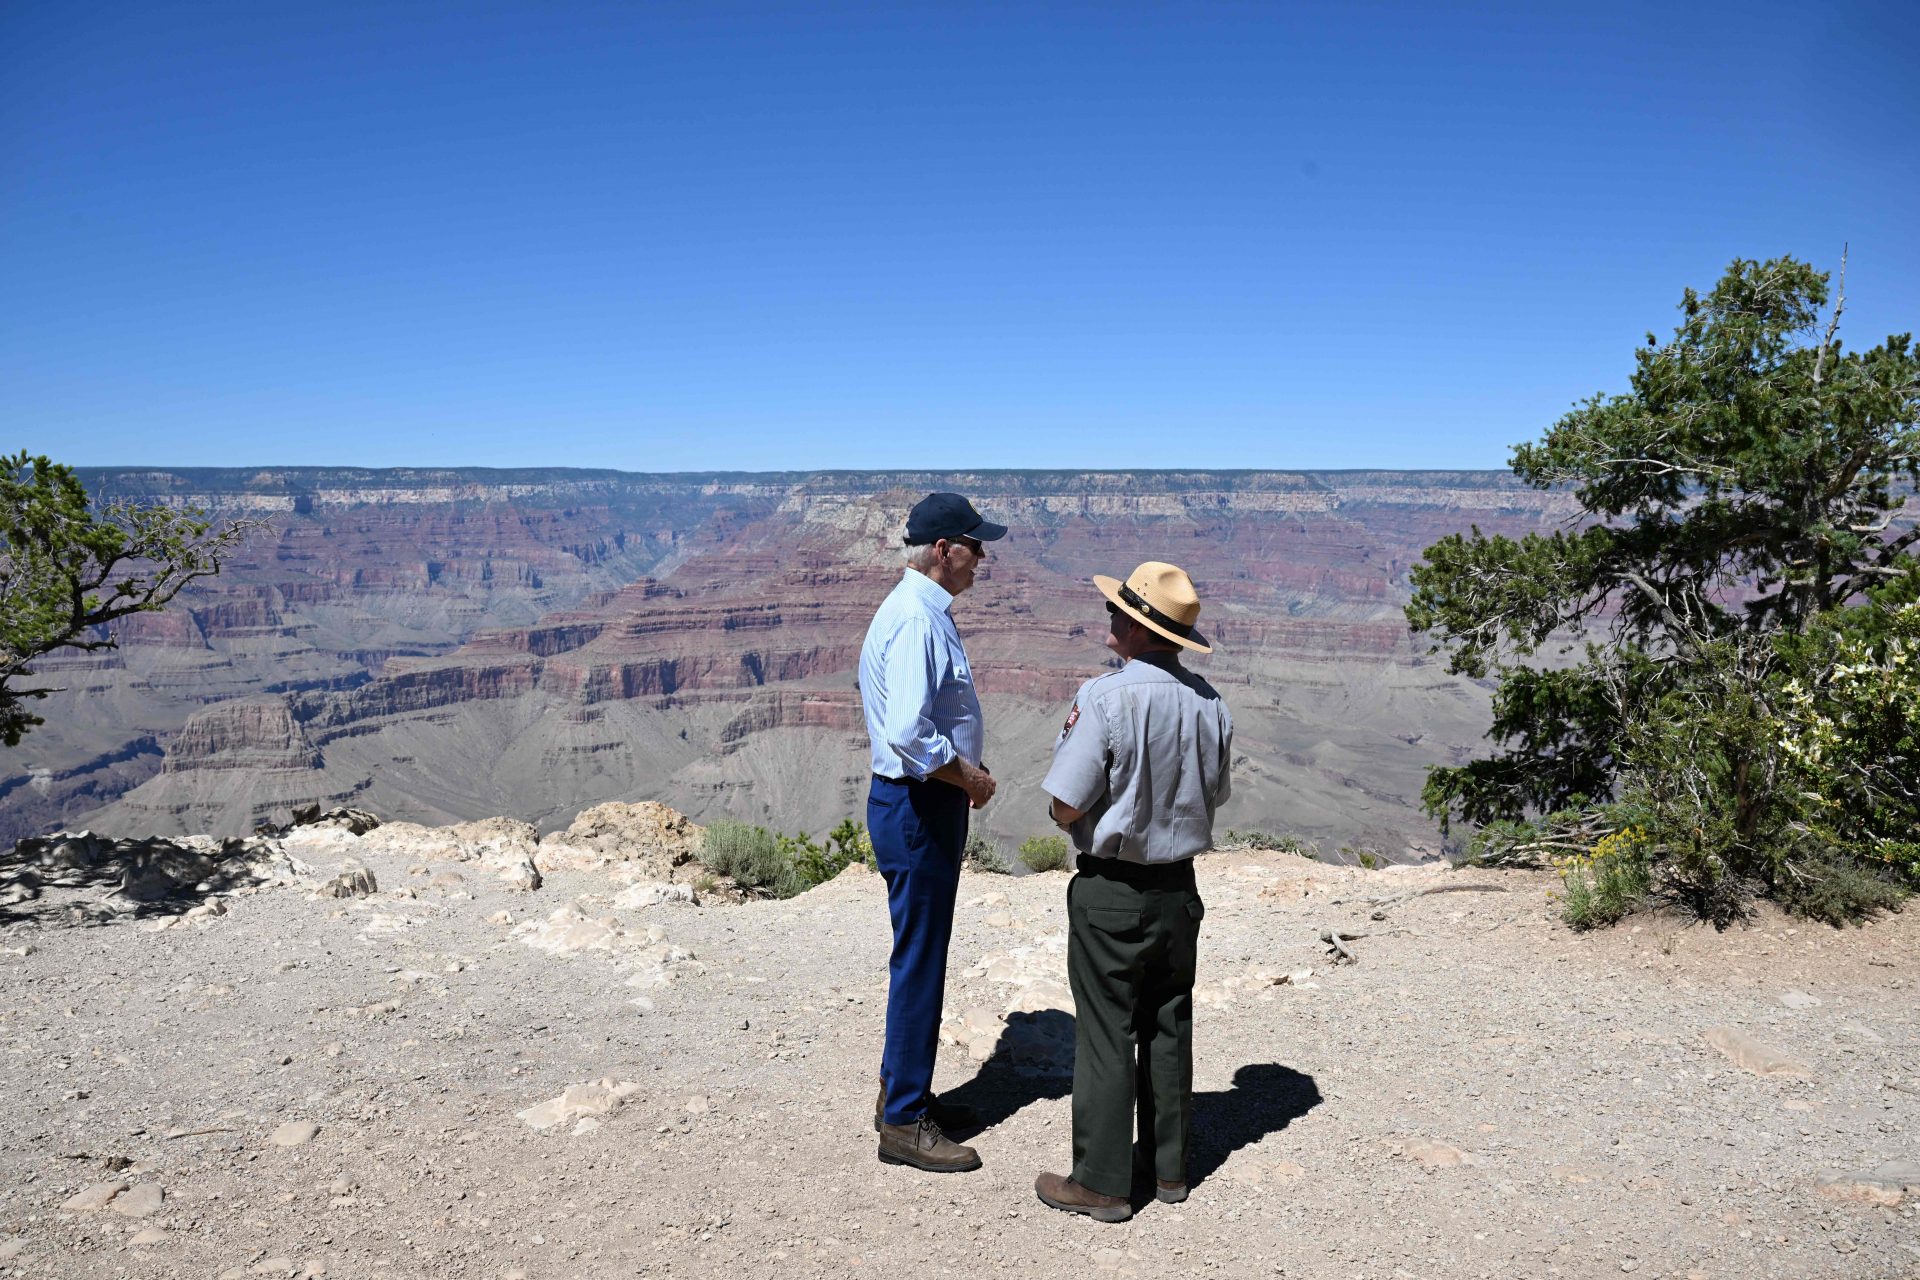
(919, 832)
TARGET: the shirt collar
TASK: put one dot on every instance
(1165, 659)
(929, 590)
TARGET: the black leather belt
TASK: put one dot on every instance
(1150, 875)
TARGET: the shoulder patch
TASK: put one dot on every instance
(1073, 718)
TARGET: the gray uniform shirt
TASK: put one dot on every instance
(1145, 752)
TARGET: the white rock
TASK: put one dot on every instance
(596, 1099)
(521, 874)
(652, 893)
(148, 1235)
(95, 1196)
(982, 1022)
(140, 1201)
(1752, 1055)
(1799, 1000)
(569, 930)
(294, 1133)
(1436, 1155)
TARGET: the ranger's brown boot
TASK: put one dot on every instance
(1169, 1192)
(948, 1115)
(1065, 1193)
(922, 1145)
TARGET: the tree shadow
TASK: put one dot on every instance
(122, 879)
(1265, 1098)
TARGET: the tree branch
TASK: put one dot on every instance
(1833, 326)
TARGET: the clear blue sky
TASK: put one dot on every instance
(683, 236)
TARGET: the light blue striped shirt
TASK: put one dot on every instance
(916, 686)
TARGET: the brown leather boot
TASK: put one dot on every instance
(923, 1146)
(1066, 1194)
(1166, 1191)
(948, 1115)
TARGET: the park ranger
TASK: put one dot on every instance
(1138, 770)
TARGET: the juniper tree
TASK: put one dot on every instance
(69, 568)
(1747, 486)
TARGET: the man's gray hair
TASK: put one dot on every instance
(920, 557)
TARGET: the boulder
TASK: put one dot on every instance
(358, 821)
(353, 881)
(661, 843)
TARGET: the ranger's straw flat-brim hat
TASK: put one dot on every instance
(1161, 598)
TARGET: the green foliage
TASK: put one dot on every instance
(1363, 857)
(1607, 883)
(1849, 725)
(782, 865)
(1841, 892)
(1278, 844)
(751, 855)
(983, 854)
(816, 864)
(1743, 696)
(1044, 853)
(70, 567)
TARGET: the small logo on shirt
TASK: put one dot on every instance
(1073, 718)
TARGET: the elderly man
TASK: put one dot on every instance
(923, 719)
(1138, 770)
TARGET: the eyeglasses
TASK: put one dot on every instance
(974, 545)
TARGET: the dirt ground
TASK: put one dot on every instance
(334, 1086)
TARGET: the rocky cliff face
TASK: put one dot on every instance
(439, 645)
(249, 734)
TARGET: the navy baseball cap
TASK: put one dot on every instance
(948, 515)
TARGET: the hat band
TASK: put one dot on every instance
(1131, 597)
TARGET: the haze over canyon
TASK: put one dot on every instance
(437, 645)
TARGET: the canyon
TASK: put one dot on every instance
(440, 645)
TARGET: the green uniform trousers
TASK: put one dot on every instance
(1132, 935)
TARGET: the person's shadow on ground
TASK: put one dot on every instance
(1265, 1098)
(1001, 1088)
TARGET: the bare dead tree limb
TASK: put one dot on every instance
(1393, 899)
(1833, 325)
(1338, 940)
